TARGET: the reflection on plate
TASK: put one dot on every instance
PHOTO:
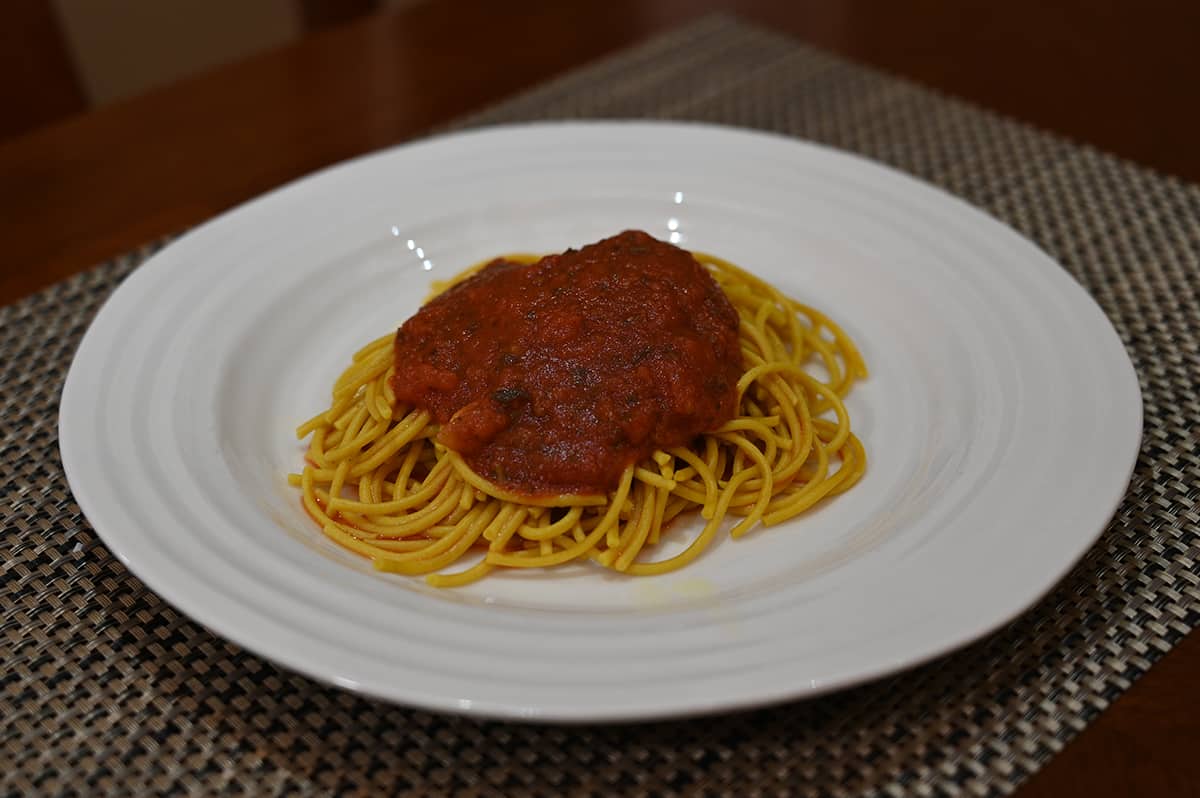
(1002, 417)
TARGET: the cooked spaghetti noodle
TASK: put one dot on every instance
(378, 483)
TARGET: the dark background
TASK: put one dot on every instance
(1122, 75)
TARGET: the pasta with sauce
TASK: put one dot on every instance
(728, 418)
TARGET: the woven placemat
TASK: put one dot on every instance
(108, 690)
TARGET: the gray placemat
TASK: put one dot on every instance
(108, 690)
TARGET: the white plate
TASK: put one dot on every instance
(1001, 420)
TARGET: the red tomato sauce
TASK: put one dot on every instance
(552, 377)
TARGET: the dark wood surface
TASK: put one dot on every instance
(1121, 76)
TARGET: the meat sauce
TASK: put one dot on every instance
(552, 377)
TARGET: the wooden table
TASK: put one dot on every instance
(1119, 78)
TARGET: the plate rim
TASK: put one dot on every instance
(211, 619)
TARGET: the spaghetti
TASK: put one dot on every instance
(379, 483)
